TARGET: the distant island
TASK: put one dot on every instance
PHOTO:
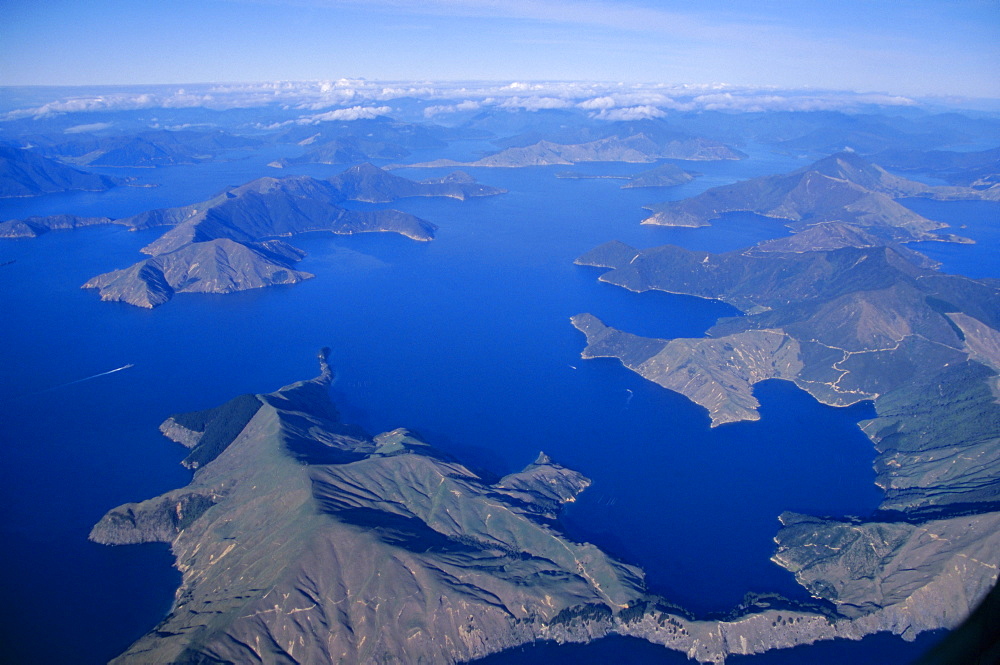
(228, 243)
(638, 148)
(446, 566)
(842, 188)
(666, 175)
(369, 183)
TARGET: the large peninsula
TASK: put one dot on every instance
(304, 540)
(847, 315)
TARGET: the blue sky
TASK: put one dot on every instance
(911, 47)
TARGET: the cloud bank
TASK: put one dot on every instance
(352, 99)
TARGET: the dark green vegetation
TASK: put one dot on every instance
(847, 315)
(229, 243)
(208, 432)
(24, 173)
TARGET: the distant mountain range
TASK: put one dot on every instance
(24, 173)
(144, 149)
(979, 169)
(363, 140)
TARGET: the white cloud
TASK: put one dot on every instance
(754, 102)
(467, 105)
(355, 98)
(598, 103)
(92, 127)
(629, 113)
(535, 103)
(352, 113)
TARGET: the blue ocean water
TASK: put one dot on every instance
(465, 339)
(976, 220)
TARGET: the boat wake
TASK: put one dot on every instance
(86, 378)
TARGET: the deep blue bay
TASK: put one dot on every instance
(465, 339)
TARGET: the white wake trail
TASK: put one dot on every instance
(86, 378)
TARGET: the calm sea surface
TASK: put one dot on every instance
(465, 339)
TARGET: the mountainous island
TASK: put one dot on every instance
(301, 539)
(229, 243)
(842, 188)
(24, 173)
(220, 265)
(366, 182)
